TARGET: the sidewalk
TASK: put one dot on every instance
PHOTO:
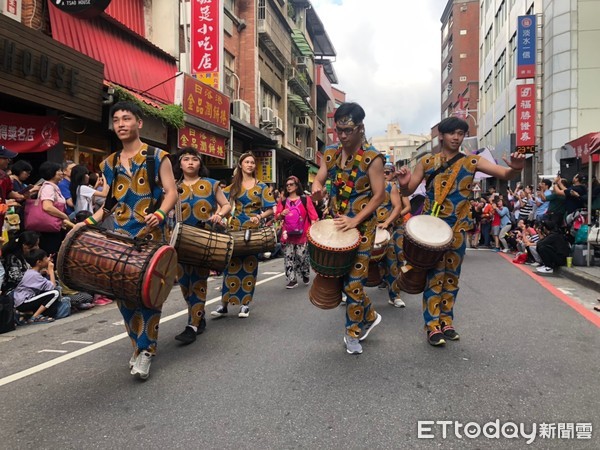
(587, 276)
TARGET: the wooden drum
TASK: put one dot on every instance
(136, 271)
(331, 251)
(252, 241)
(426, 238)
(202, 248)
(325, 292)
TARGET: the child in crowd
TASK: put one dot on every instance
(13, 258)
(36, 294)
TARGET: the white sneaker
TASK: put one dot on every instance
(535, 264)
(132, 360)
(505, 250)
(544, 269)
(141, 367)
(266, 255)
(397, 302)
(368, 328)
(244, 312)
(344, 297)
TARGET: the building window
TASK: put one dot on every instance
(230, 5)
(462, 55)
(500, 17)
(230, 80)
(268, 99)
(512, 53)
(500, 72)
(511, 120)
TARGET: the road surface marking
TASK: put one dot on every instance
(82, 351)
(77, 342)
(51, 351)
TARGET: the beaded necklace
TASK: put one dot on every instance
(345, 186)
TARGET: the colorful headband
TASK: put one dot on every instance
(346, 120)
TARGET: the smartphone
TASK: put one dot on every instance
(31, 186)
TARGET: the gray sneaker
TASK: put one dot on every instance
(132, 360)
(244, 312)
(352, 345)
(141, 367)
(369, 327)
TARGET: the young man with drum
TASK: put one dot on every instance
(252, 202)
(449, 176)
(127, 174)
(356, 170)
(201, 197)
(390, 216)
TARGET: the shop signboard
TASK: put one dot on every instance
(526, 118)
(24, 134)
(81, 8)
(202, 101)
(265, 165)
(206, 143)
(206, 41)
(526, 36)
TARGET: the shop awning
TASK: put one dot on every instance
(299, 103)
(129, 60)
(251, 133)
(585, 145)
(301, 42)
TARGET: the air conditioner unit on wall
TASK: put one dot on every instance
(241, 110)
(309, 153)
(302, 61)
(278, 124)
(304, 122)
(267, 115)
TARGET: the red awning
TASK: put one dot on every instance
(128, 61)
(585, 146)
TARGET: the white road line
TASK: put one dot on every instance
(77, 342)
(51, 351)
(82, 351)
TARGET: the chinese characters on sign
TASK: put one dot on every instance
(265, 165)
(206, 143)
(525, 118)
(202, 101)
(23, 134)
(526, 36)
(205, 39)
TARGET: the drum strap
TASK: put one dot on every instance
(442, 168)
(440, 193)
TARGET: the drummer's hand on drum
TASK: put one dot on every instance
(404, 176)
(383, 225)
(151, 220)
(344, 223)
(215, 218)
(255, 219)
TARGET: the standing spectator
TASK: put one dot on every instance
(21, 171)
(541, 201)
(65, 185)
(526, 203)
(501, 223)
(298, 213)
(576, 195)
(80, 190)
(475, 233)
(487, 215)
(8, 197)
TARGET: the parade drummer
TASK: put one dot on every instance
(202, 200)
(358, 188)
(252, 202)
(138, 211)
(390, 217)
(449, 181)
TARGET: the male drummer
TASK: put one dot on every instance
(356, 170)
(137, 212)
(449, 179)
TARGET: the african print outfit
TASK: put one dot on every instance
(132, 191)
(390, 265)
(441, 287)
(198, 204)
(239, 278)
(359, 311)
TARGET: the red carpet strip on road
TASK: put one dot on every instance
(589, 315)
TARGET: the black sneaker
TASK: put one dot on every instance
(451, 333)
(306, 280)
(219, 312)
(187, 337)
(202, 326)
(291, 285)
(436, 338)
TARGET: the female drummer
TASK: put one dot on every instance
(252, 202)
(389, 216)
(202, 200)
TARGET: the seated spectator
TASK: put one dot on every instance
(13, 258)
(35, 294)
(553, 248)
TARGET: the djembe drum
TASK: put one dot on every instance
(138, 272)
(380, 243)
(426, 239)
(252, 241)
(331, 253)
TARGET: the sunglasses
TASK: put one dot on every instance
(387, 172)
(290, 184)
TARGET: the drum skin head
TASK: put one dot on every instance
(429, 230)
(381, 236)
(325, 233)
(159, 277)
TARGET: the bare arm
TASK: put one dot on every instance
(319, 181)
(410, 182)
(405, 206)
(515, 165)
(396, 207)
(223, 206)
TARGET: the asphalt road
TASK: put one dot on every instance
(282, 378)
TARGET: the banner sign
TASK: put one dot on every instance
(526, 119)
(206, 143)
(22, 133)
(202, 101)
(82, 8)
(265, 165)
(526, 36)
(206, 40)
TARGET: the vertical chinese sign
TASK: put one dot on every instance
(265, 165)
(526, 118)
(526, 36)
(206, 41)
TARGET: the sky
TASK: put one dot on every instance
(388, 59)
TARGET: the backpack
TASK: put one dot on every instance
(293, 223)
(7, 313)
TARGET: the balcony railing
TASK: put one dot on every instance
(273, 34)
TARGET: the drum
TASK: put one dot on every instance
(426, 238)
(375, 276)
(382, 238)
(326, 292)
(412, 281)
(330, 250)
(253, 241)
(137, 271)
(202, 248)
